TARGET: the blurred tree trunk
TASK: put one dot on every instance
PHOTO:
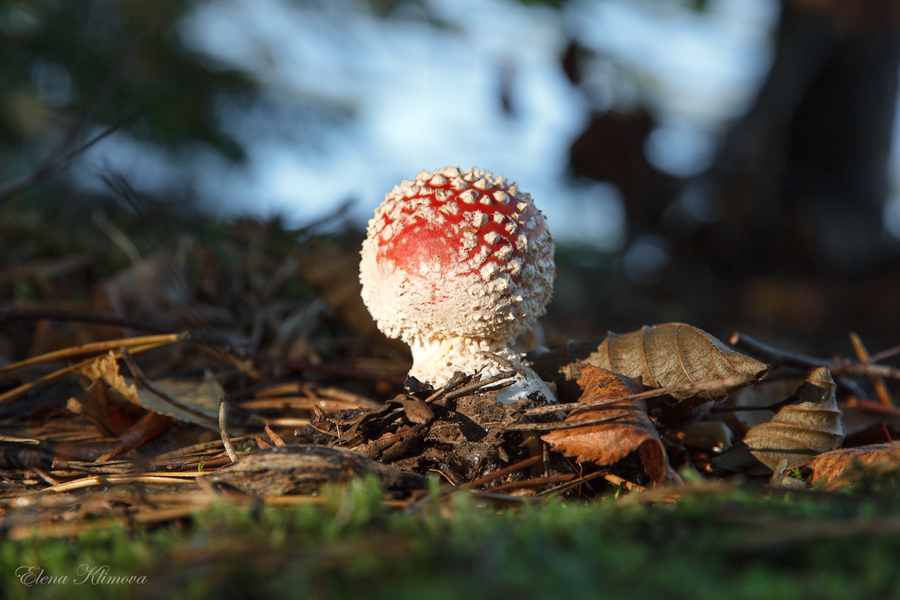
(801, 180)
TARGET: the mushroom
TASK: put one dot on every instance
(457, 264)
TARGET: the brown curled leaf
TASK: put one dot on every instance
(658, 356)
(106, 369)
(675, 354)
(147, 428)
(628, 428)
(832, 465)
(416, 411)
(200, 397)
(93, 404)
(809, 425)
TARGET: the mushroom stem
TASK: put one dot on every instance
(437, 359)
(435, 362)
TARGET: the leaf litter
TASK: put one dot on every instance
(626, 427)
(270, 320)
(808, 425)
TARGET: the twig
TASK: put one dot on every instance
(476, 483)
(458, 379)
(874, 407)
(513, 468)
(189, 452)
(504, 362)
(18, 391)
(139, 375)
(44, 476)
(53, 163)
(570, 424)
(95, 347)
(452, 389)
(58, 156)
(582, 479)
(535, 482)
(480, 385)
(113, 479)
(803, 362)
(197, 337)
(223, 428)
(234, 347)
(769, 407)
(14, 314)
(879, 356)
(862, 353)
(17, 440)
(338, 213)
(321, 416)
(628, 485)
(506, 499)
(776, 355)
(687, 388)
(866, 369)
(276, 439)
(667, 493)
(287, 422)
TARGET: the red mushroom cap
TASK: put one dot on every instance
(457, 255)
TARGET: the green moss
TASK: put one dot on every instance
(736, 545)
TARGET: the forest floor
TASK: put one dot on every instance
(191, 407)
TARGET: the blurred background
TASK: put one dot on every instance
(730, 163)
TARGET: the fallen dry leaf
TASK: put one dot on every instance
(106, 369)
(808, 426)
(659, 356)
(628, 428)
(675, 354)
(831, 465)
(93, 404)
(416, 411)
(770, 392)
(147, 428)
(202, 397)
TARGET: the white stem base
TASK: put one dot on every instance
(435, 363)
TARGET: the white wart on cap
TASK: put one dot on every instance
(456, 264)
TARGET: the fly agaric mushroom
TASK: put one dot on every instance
(457, 264)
